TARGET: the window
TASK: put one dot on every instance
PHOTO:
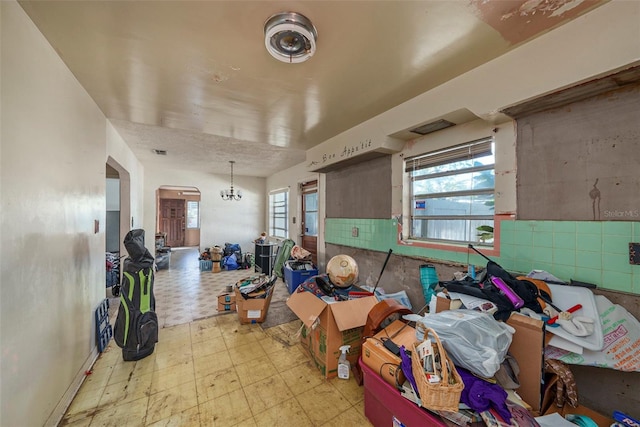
(279, 214)
(310, 211)
(452, 194)
(193, 214)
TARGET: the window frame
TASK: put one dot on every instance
(197, 226)
(448, 155)
(281, 213)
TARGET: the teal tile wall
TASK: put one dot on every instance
(589, 251)
(595, 252)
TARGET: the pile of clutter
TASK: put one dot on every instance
(230, 257)
(338, 284)
(474, 357)
(210, 259)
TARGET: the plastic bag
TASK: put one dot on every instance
(230, 262)
(474, 340)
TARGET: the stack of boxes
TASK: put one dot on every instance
(227, 302)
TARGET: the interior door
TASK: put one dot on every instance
(309, 224)
(172, 221)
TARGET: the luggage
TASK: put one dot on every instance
(136, 327)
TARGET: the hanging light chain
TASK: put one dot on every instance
(231, 194)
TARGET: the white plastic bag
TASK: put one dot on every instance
(474, 340)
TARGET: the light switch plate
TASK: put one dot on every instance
(354, 232)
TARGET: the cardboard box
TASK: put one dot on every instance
(527, 347)
(598, 418)
(382, 361)
(326, 327)
(227, 298)
(227, 302)
(253, 310)
(227, 307)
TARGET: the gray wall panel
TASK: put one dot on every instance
(580, 162)
(362, 190)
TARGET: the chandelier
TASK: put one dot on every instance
(231, 194)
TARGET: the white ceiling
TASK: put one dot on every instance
(194, 78)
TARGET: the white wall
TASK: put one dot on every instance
(53, 189)
(118, 150)
(291, 178)
(220, 221)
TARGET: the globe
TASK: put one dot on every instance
(342, 271)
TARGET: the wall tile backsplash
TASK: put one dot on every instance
(588, 251)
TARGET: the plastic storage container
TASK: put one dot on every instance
(206, 265)
(293, 278)
(384, 406)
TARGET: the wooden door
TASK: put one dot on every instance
(309, 224)
(172, 221)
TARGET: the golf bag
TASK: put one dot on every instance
(136, 327)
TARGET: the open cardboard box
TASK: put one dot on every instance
(253, 310)
(327, 327)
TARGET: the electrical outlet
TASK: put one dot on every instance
(354, 232)
(634, 253)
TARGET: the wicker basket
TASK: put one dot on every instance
(440, 396)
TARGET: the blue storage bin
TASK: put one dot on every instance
(293, 278)
(206, 265)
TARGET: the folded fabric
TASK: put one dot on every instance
(481, 395)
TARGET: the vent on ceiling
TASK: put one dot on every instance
(432, 127)
(160, 152)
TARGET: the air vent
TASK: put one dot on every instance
(160, 152)
(432, 127)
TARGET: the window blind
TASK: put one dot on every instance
(466, 151)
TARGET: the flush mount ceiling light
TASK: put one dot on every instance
(290, 37)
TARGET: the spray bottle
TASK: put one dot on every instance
(344, 366)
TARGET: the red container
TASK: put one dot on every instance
(385, 407)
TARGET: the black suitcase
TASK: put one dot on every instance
(136, 327)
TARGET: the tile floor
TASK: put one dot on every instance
(208, 370)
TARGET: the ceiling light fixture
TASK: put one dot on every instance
(231, 194)
(290, 37)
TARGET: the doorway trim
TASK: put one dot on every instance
(186, 193)
(126, 221)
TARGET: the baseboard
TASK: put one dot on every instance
(62, 406)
